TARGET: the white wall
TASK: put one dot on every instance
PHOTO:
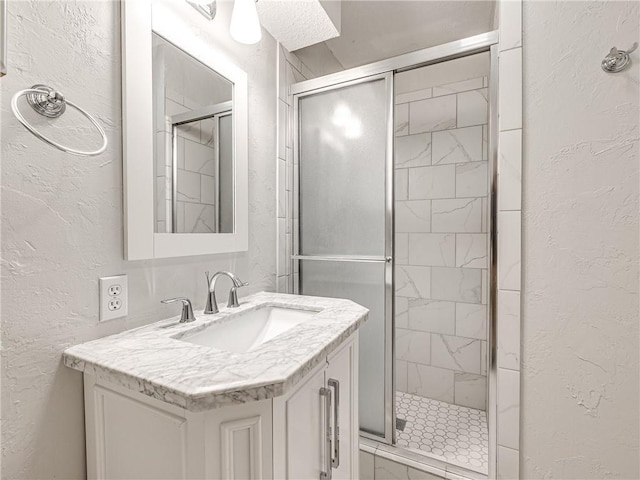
(62, 224)
(580, 243)
(319, 60)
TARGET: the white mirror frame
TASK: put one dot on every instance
(141, 240)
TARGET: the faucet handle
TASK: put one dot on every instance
(233, 294)
(187, 310)
(239, 283)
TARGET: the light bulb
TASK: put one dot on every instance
(245, 25)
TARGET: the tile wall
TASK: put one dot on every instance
(196, 173)
(509, 240)
(195, 87)
(196, 177)
(290, 70)
(441, 242)
(379, 468)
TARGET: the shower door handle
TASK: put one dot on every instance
(343, 258)
(335, 384)
(327, 460)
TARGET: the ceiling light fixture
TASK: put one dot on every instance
(245, 24)
(207, 8)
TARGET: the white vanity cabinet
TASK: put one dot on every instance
(316, 426)
(293, 436)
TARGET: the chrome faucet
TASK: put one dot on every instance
(187, 311)
(212, 304)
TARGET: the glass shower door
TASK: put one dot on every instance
(344, 242)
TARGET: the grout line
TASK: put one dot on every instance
(510, 130)
(510, 289)
(511, 48)
(507, 368)
(456, 97)
(430, 220)
(455, 316)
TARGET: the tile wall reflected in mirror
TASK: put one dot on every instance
(193, 147)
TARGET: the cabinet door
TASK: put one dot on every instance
(341, 376)
(305, 429)
(130, 435)
(238, 442)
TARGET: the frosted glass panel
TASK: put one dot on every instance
(343, 138)
(364, 284)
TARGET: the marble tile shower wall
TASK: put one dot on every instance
(441, 242)
(509, 241)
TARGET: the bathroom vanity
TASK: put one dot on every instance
(266, 390)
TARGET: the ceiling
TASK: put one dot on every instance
(374, 30)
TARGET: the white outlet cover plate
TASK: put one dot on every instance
(105, 284)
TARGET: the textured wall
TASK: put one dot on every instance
(62, 223)
(580, 244)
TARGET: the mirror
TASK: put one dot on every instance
(185, 136)
(193, 149)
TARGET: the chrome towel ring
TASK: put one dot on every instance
(52, 104)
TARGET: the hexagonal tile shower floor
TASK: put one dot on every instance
(451, 433)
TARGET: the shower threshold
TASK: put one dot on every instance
(449, 433)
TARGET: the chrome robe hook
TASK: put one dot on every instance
(617, 60)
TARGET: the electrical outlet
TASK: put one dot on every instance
(114, 304)
(115, 290)
(114, 298)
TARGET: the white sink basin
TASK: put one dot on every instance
(249, 330)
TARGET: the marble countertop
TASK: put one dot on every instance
(154, 361)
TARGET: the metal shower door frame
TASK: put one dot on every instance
(387, 259)
(484, 42)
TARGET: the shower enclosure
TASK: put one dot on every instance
(395, 201)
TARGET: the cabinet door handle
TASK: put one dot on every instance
(326, 473)
(335, 461)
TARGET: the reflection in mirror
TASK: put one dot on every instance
(193, 148)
